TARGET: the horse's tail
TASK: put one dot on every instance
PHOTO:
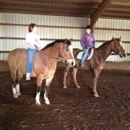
(10, 79)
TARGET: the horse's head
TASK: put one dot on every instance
(66, 52)
(117, 47)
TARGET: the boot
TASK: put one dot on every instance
(28, 76)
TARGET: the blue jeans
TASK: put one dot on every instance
(85, 50)
(30, 53)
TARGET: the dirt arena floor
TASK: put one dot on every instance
(72, 108)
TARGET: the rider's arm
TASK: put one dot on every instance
(82, 41)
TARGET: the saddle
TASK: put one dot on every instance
(89, 56)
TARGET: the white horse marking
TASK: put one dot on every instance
(71, 51)
(38, 98)
(46, 99)
(18, 90)
(14, 92)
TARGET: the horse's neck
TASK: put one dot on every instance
(105, 50)
(52, 54)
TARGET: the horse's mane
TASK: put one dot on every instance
(57, 41)
(105, 43)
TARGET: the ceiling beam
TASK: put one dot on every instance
(27, 8)
(75, 9)
(45, 4)
(50, 10)
(99, 11)
(100, 1)
(116, 14)
(62, 14)
(2, 3)
(86, 1)
(118, 9)
(44, 13)
(83, 6)
(115, 17)
(81, 1)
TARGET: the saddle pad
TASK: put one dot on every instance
(80, 54)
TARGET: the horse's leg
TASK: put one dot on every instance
(16, 76)
(48, 81)
(39, 83)
(74, 77)
(13, 82)
(96, 74)
(19, 76)
(65, 76)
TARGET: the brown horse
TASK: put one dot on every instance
(96, 63)
(45, 63)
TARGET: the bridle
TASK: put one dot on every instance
(118, 50)
(62, 53)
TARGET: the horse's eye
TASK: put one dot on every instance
(119, 45)
(67, 49)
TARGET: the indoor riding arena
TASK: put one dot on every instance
(101, 100)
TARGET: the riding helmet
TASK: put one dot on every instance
(89, 27)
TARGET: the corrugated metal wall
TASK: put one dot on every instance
(104, 32)
(57, 27)
(66, 27)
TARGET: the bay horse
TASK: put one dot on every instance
(96, 63)
(44, 67)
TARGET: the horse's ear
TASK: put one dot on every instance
(65, 41)
(120, 38)
(114, 39)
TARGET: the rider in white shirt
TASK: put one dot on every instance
(33, 45)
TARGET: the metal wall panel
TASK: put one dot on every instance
(108, 34)
(44, 32)
(62, 30)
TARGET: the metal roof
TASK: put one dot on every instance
(76, 8)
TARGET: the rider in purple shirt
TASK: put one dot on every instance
(87, 41)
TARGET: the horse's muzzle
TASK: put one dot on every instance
(123, 54)
(71, 63)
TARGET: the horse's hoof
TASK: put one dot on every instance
(65, 87)
(18, 93)
(78, 86)
(15, 96)
(38, 103)
(47, 102)
(96, 95)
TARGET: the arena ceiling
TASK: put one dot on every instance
(93, 9)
